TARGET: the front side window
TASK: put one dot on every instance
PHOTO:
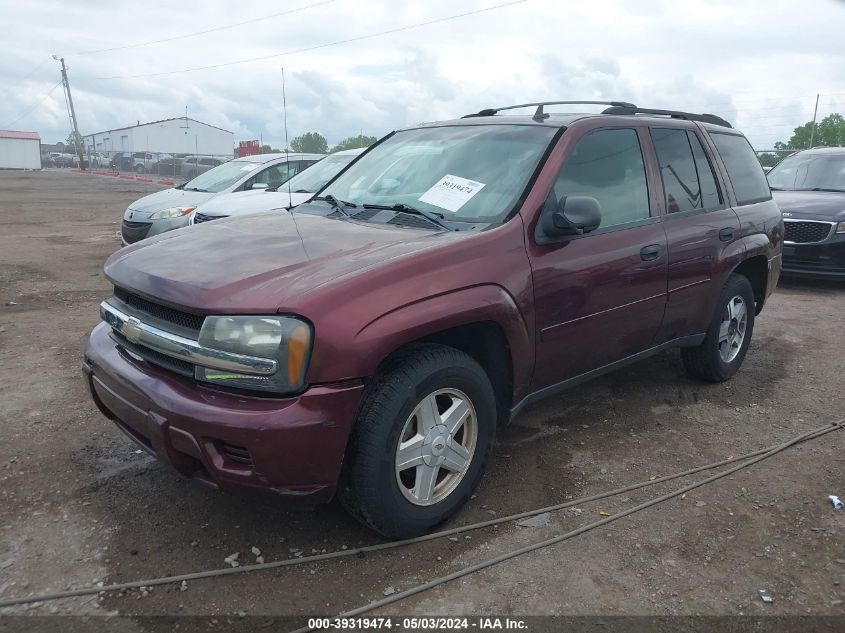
(466, 173)
(744, 170)
(810, 172)
(688, 182)
(608, 165)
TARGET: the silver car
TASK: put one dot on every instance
(294, 192)
(169, 209)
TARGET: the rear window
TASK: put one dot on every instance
(744, 170)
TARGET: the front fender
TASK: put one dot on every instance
(412, 322)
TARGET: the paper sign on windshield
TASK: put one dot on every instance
(451, 192)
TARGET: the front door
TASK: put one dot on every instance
(600, 297)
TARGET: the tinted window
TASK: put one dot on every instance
(688, 182)
(607, 165)
(744, 170)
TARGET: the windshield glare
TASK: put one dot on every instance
(315, 177)
(470, 173)
(221, 177)
(809, 171)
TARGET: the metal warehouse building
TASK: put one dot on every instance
(180, 135)
(20, 150)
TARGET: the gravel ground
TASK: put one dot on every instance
(80, 505)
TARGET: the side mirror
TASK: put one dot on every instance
(260, 185)
(575, 215)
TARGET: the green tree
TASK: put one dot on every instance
(71, 141)
(354, 142)
(768, 159)
(830, 132)
(310, 143)
(266, 149)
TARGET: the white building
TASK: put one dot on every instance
(169, 136)
(20, 150)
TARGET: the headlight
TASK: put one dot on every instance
(283, 339)
(840, 228)
(172, 212)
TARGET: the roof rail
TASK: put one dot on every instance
(675, 114)
(539, 114)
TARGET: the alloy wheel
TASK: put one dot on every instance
(732, 329)
(436, 447)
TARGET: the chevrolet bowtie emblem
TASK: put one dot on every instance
(131, 330)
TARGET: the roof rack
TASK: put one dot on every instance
(674, 114)
(539, 115)
(616, 107)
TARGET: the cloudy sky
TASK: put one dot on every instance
(759, 63)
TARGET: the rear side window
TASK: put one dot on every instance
(688, 182)
(608, 165)
(744, 170)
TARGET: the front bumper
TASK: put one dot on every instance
(291, 447)
(824, 260)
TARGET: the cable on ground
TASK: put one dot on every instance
(227, 571)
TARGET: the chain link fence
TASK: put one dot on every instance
(177, 167)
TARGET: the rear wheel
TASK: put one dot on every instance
(139, 169)
(721, 354)
(420, 443)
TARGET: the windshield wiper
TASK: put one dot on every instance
(340, 205)
(194, 189)
(827, 189)
(431, 216)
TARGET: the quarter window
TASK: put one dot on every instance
(747, 177)
(608, 165)
(688, 182)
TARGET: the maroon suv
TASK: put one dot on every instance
(369, 343)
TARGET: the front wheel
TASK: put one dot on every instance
(421, 441)
(721, 354)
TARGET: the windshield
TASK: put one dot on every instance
(469, 173)
(221, 177)
(315, 177)
(805, 172)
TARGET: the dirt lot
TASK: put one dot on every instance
(79, 504)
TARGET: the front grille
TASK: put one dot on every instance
(199, 218)
(235, 453)
(799, 232)
(134, 231)
(156, 358)
(142, 307)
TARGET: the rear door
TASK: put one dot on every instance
(701, 228)
(600, 297)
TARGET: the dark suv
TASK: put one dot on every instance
(370, 342)
(809, 187)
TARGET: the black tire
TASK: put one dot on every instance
(705, 361)
(139, 169)
(369, 487)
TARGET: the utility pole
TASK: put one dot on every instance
(815, 114)
(76, 136)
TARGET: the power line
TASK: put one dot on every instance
(319, 46)
(205, 32)
(23, 114)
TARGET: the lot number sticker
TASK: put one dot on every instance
(451, 192)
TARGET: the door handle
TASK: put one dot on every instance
(726, 234)
(650, 253)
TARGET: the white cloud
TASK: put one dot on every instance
(758, 62)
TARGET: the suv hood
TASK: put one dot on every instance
(811, 205)
(261, 263)
(245, 202)
(143, 208)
